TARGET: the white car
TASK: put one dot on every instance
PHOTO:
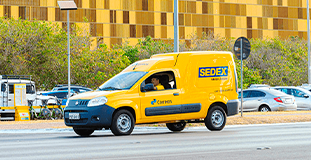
(266, 99)
(302, 96)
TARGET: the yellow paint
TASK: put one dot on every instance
(1, 11)
(284, 2)
(43, 3)
(157, 32)
(169, 19)
(157, 5)
(15, 12)
(51, 14)
(216, 8)
(199, 7)
(106, 32)
(236, 33)
(170, 32)
(116, 4)
(195, 85)
(132, 16)
(302, 25)
(255, 23)
(270, 23)
(216, 21)
(219, 31)
(86, 4)
(51, 4)
(157, 18)
(100, 4)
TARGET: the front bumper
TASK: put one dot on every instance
(233, 107)
(284, 107)
(90, 117)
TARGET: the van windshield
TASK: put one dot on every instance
(122, 81)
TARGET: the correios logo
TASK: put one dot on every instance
(154, 101)
(161, 102)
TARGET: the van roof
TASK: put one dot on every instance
(165, 60)
(16, 81)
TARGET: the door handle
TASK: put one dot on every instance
(259, 99)
(176, 94)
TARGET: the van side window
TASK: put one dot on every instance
(166, 79)
(11, 89)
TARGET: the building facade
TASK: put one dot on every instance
(116, 21)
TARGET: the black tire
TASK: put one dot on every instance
(264, 108)
(57, 113)
(122, 123)
(215, 119)
(46, 113)
(176, 127)
(83, 132)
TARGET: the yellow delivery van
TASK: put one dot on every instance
(173, 88)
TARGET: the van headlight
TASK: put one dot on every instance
(97, 101)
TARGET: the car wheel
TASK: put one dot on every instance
(264, 109)
(122, 123)
(57, 113)
(176, 127)
(83, 132)
(215, 119)
(46, 114)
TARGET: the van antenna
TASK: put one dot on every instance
(176, 59)
(135, 66)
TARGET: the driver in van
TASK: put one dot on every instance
(156, 82)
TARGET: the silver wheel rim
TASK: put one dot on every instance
(264, 109)
(124, 123)
(217, 118)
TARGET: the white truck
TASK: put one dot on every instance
(7, 112)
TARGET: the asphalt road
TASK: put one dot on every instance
(274, 141)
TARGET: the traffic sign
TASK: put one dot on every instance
(246, 48)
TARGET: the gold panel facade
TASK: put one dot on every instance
(116, 21)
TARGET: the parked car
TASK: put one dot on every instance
(258, 86)
(302, 96)
(266, 99)
(62, 94)
(306, 86)
(75, 88)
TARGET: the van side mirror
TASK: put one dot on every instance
(3, 87)
(148, 87)
(306, 96)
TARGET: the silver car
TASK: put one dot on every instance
(266, 99)
(302, 96)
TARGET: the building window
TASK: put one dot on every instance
(145, 5)
(22, 12)
(133, 31)
(113, 15)
(126, 17)
(7, 11)
(163, 18)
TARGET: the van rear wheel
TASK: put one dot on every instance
(83, 132)
(176, 127)
(215, 119)
(122, 123)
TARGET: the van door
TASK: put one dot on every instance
(160, 105)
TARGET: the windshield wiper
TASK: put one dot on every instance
(109, 88)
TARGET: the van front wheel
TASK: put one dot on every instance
(122, 123)
(215, 119)
(83, 132)
(176, 127)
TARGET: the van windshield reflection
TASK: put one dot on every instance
(122, 81)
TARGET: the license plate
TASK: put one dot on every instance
(74, 116)
(288, 100)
